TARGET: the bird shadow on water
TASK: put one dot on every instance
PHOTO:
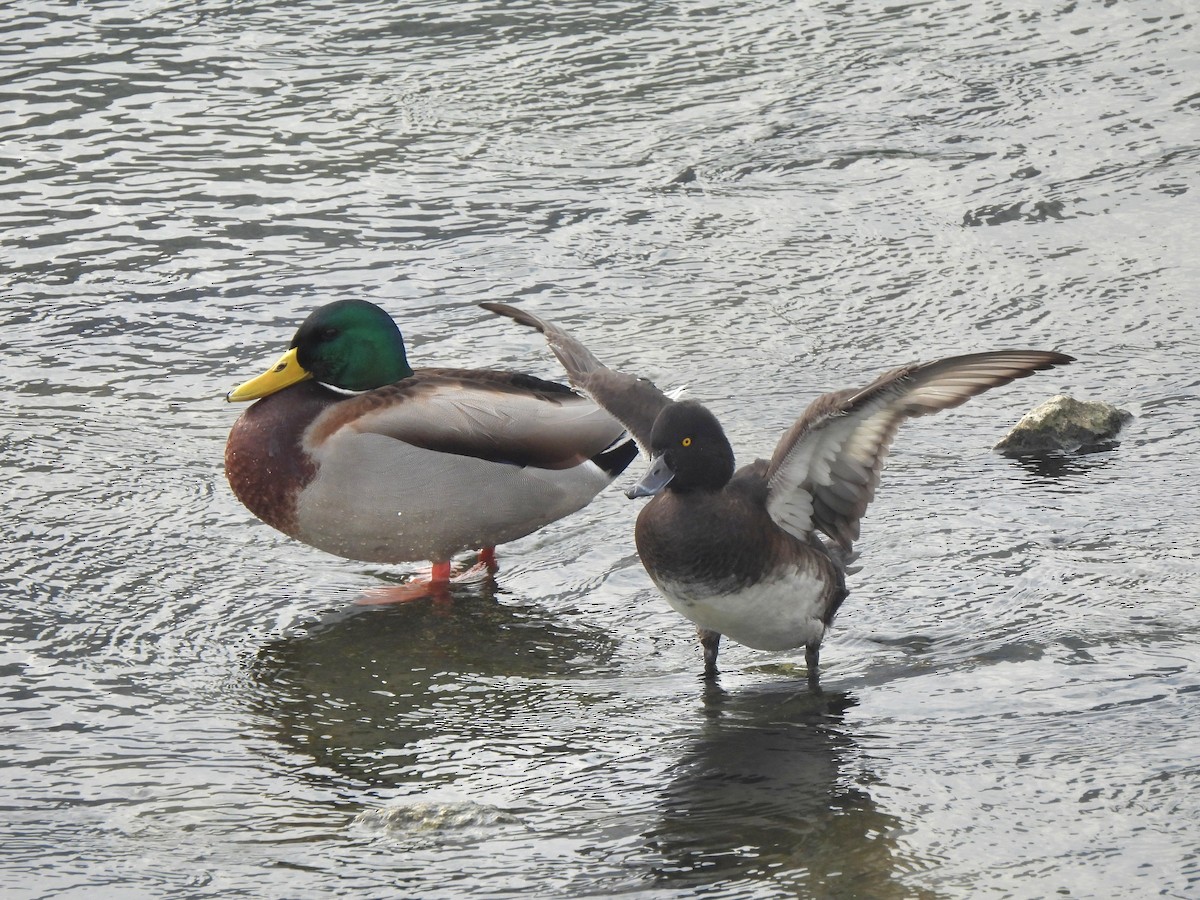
(367, 690)
(769, 790)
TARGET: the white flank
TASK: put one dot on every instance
(779, 614)
(429, 505)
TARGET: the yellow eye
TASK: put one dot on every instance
(687, 442)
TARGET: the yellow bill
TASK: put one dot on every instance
(286, 372)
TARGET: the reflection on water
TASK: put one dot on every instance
(1065, 466)
(361, 690)
(814, 827)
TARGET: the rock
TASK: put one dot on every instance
(1064, 424)
(418, 817)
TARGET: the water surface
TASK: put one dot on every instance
(762, 202)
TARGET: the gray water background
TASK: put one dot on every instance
(762, 201)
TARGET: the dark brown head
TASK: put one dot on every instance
(689, 451)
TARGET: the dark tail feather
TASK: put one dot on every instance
(618, 456)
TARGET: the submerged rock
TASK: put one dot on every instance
(1064, 424)
(448, 816)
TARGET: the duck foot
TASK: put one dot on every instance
(487, 557)
(485, 567)
(436, 586)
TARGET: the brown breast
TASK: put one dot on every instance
(265, 460)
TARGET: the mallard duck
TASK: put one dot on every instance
(353, 452)
(737, 551)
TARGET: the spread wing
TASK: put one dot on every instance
(825, 468)
(634, 402)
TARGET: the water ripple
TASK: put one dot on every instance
(761, 204)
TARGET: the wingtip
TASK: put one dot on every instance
(520, 316)
(1052, 357)
(1041, 360)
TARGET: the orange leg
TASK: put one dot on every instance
(485, 567)
(437, 585)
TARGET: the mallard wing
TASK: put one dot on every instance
(497, 416)
(633, 401)
(825, 469)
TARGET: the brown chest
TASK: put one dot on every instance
(265, 460)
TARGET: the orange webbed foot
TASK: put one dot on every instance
(435, 587)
